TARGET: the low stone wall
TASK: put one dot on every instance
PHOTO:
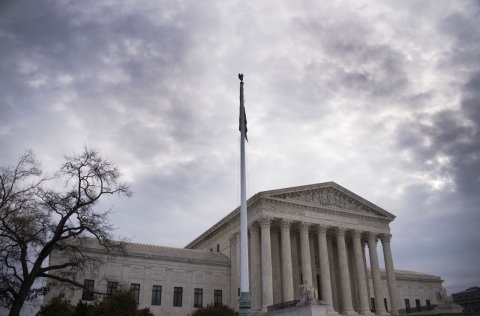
(310, 310)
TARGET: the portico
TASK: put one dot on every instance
(316, 234)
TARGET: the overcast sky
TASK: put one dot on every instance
(382, 98)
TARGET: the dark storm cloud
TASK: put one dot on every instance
(452, 134)
(444, 145)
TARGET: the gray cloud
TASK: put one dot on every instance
(381, 98)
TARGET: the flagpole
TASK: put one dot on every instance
(244, 299)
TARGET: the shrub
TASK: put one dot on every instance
(215, 310)
(58, 306)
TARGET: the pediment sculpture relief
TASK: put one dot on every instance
(328, 197)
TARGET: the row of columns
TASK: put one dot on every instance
(261, 267)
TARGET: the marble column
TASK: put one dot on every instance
(344, 273)
(255, 272)
(325, 281)
(364, 245)
(233, 271)
(305, 253)
(267, 290)
(391, 279)
(313, 264)
(276, 266)
(287, 272)
(364, 308)
(333, 276)
(295, 265)
(376, 277)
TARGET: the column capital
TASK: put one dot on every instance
(357, 234)
(254, 226)
(340, 231)
(322, 229)
(386, 238)
(266, 221)
(372, 237)
(304, 226)
(233, 238)
(286, 223)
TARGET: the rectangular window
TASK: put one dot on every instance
(385, 302)
(157, 295)
(218, 247)
(372, 300)
(238, 292)
(177, 296)
(217, 297)
(87, 294)
(407, 305)
(301, 278)
(111, 289)
(198, 298)
(418, 306)
(135, 288)
(429, 305)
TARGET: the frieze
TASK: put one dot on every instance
(330, 197)
(159, 271)
(325, 214)
(137, 270)
(179, 274)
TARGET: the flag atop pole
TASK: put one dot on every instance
(242, 104)
(244, 301)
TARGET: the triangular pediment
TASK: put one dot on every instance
(328, 195)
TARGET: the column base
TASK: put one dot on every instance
(331, 311)
(366, 312)
(382, 313)
(244, 304)
(350, 312)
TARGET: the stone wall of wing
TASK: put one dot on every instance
(152, 267)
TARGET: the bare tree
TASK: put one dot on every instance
(36, 219)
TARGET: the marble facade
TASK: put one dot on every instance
(321, 233)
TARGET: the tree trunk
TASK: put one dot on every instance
(16, 308)
(22, 295)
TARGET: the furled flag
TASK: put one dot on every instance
(242, 103)
(240, 123)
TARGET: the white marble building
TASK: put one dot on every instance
(316, 233)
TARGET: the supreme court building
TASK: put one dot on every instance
(316, 234)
